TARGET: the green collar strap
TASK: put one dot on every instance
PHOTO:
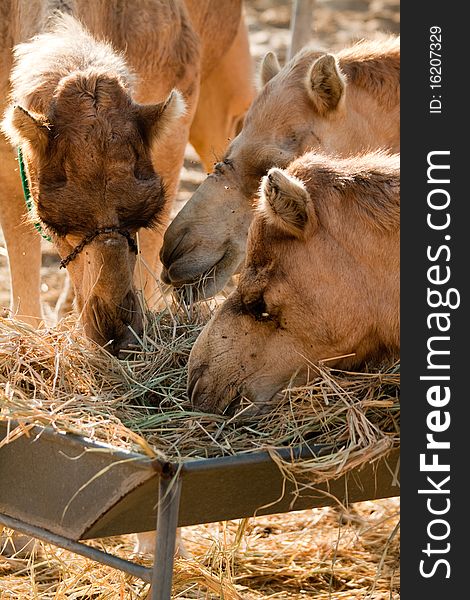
(27, 193)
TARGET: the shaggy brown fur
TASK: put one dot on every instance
(95, 117)
(342, 104)
(87, 146)
(320, 282)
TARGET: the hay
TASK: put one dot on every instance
(55, 377)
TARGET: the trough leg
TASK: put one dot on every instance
(167, 522)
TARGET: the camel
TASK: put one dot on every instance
(89, 101)
(321, 282)
(340, 104)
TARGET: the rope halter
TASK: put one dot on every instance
(91, 236)
(86, 240)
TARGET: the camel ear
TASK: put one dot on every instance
(21, 126)
(269, 68)
(157, 120)
(325, 83)
(283, 202)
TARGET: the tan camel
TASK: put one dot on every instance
(338, 104)
(321, 281)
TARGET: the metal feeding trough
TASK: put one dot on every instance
(62, 488)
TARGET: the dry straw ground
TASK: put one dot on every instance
(319, 554)
(328, 553)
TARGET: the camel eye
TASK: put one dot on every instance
(258, 309)
(219, 167)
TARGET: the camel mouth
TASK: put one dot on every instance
(236, 402)
(246, 407)
(116, 327)
(190, 271)
(125, 347)
(204, 397)
(128, 351)
(212, 281)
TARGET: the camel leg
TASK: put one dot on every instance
(225, 96)
(22, 240)
(145, 544)
(17, 545)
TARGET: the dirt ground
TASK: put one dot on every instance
(336, 23)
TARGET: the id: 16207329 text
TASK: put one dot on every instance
(435, 69)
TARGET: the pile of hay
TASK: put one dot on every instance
(55, 377)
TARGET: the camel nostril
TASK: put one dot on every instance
(192, 392)
(194, 383)
(169, 252)
(164, 276)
